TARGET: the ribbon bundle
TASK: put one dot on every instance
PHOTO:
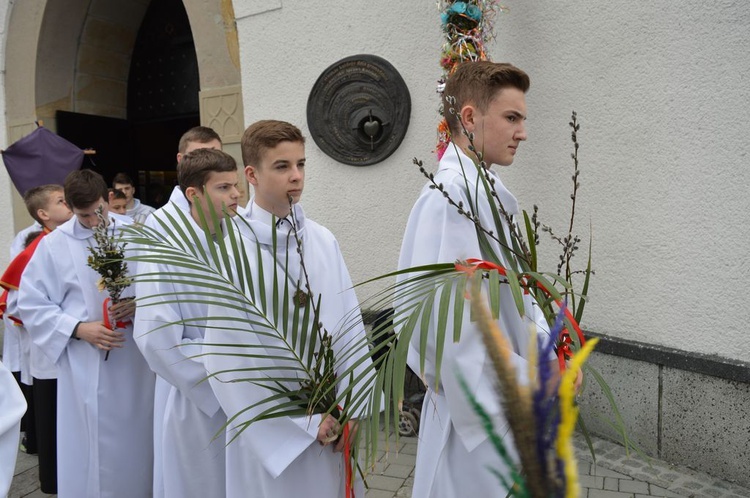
(564, 341)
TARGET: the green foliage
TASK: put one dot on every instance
(246, 289)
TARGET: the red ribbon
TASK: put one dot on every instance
(347, 460)
(564, 350)
(119, 324)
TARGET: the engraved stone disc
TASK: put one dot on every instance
(358, 110)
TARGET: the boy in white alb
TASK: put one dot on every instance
(198, 137)
(170, 335)
(105, 408)
(286, 456)
(454, 452)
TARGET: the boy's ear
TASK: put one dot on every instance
(42, 214)
(250, 174)
(190, 192)
(468, 116)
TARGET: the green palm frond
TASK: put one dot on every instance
(299, 371)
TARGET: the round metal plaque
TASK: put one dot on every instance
(358, 110)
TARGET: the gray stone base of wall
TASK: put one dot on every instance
(696, 415)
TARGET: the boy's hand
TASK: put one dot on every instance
(122, 310)
(100, 336)
(328, 430)
(353, 426)
(579, 380)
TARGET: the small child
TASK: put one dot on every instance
(118, 201)
(134, 208)
(46, 204)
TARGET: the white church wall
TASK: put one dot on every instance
(283, 51)
(661, 90)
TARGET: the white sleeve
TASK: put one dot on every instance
(160, 334)
(12, 408)
(40, 299)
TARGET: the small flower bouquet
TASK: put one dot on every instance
(108, 260)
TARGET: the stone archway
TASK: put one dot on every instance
(81, 52)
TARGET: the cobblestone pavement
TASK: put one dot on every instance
(615, 475)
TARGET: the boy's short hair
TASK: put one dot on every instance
(118, 194)
(122, 179)
(196, 166)
(267, 134)
(37, 198)
(84, 187)
(477, 83)
(199, 134)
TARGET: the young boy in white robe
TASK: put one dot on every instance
(46, 204)
(198, 137)
(104, 417)
(454, 453)
(134, 207)
(290, 455)
(169, 333)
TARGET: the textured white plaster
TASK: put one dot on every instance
(247, 8)
(664, 104)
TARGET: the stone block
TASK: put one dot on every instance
(630, 486)
(706, 425)
(384, 483)
(635, 388)
(109, 35)
(95, 60)
(100, 90)
(129, 14)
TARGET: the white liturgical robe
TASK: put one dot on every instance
(176, 201)
(12, 408)
(105, 417)
(192, 458)
(453, 453)
(281, 456)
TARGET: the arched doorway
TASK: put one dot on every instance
(96, 62)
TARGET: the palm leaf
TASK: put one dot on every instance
(250, 293)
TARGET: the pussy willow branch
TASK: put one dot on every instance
(322, 333)
(468, 214)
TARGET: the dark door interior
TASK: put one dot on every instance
(163, 103)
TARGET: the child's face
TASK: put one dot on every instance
(221, 188)
(56, 211)
(500, 129)
(87, 215)
(127, 189)
(279, 176)
(119, 206)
